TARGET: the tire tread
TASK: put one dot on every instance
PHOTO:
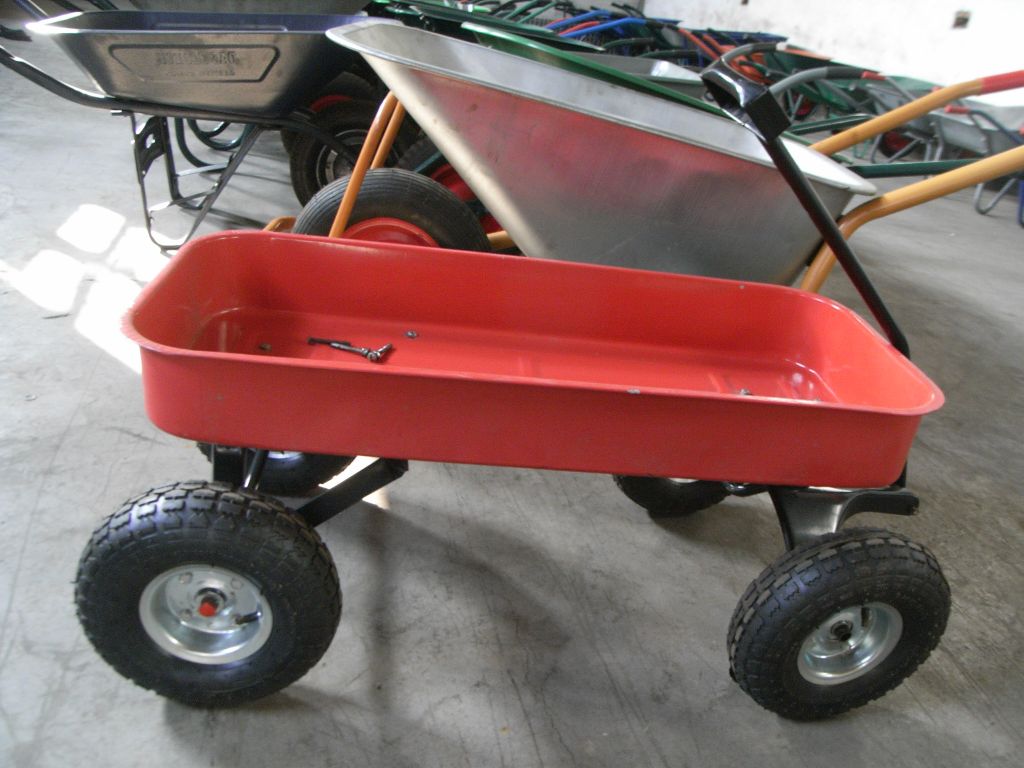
(279, 538)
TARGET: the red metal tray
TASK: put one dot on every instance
(520, 362)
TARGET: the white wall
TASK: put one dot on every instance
(900, 37)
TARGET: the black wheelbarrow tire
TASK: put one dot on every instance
(666, 497)
(208, 595)
(391, 193)
(313, 165)
(837, 622)
(290, 473)
(347, 86)
(422, 157)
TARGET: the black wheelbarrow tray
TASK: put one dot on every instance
(257, 70)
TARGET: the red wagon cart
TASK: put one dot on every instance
(215, 593)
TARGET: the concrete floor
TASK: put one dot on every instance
(492, 616)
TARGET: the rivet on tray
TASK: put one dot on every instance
(632, 391)
(265, 347)
(745, 391)
(411, 334)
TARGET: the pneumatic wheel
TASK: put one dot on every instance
(665, 497)
(346, 87)
(208, 595)
(314, 165)
(837, 622)
(400, 206)
(291, 473)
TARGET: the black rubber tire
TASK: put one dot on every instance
(314, 165)
(404, 195)
(808, 585)
(211, 524)
(290, 473)
(422, 157)
(665, 497)
(346, 84)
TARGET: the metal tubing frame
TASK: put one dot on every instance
(243, 468)
(373, 154)
(1003, 164)
(144, 154)
(897, 117)
(372, 478)
(376, 147)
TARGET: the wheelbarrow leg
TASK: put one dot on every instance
(152, 141)
(376, 147)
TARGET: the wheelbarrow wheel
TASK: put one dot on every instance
(290, 473)
(208, 595)
(424, 158)
(346, 87)
(314, 165)
(665, 497)
(837, 622)
(397, 206)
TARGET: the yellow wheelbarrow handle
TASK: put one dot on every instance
(917, 108)
(1010, 161)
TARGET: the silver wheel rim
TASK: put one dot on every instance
(205, 614)
(330, 158)
(850, 643)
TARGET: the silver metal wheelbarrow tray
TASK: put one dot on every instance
(580, 170)
(988, 133)
(259, 64)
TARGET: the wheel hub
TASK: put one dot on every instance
(384, 229)
(205, 614)
(850, 643)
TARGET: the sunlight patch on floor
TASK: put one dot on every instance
(91, 228)
(51, 279)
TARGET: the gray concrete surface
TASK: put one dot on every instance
(492, 616)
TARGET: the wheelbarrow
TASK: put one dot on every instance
(632, 375)
(254, 70)
(496, 118)
(982, 129)
(662, 200)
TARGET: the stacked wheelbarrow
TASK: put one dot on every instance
(185, 76)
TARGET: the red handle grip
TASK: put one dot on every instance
(956, 109)
(1003, 82)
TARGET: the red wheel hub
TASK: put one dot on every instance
(325, 101)
(450, 178)
(387, 230)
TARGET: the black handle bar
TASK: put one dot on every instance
(753, 106)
